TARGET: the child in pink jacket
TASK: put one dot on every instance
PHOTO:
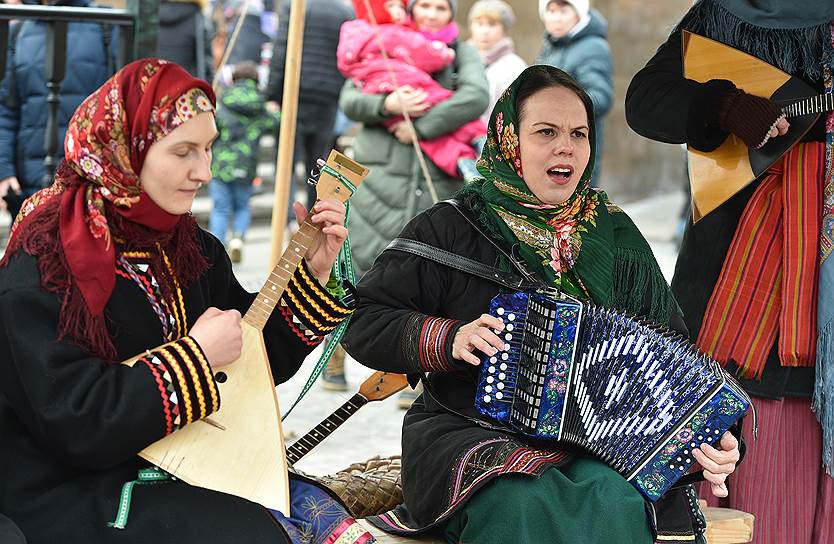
(412, 58)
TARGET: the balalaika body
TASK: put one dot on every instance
(635, 395)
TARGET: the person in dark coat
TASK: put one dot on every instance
(184, 37)
(576, 41)
(23, 92)
(107, 264)
(462, 473)
(318, 93)
(794, 453)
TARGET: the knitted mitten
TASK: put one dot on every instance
(749, 117)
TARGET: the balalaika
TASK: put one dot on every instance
(637, 396)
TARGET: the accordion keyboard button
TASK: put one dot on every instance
(502, 376)
(511, 317)
(500, 311)
(499, 395)
(504, 357)
(503, 366)
(508, 337)
(488, 389)
(500, 385)
(490, 379)
(487, 399)
(491, 370)
(510, 327)
(493, 360)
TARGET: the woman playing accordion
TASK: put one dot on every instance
(533, 204)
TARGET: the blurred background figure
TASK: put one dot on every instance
(320, 82)
(490, 22)
(576, 40)
(253, 41)
(241, 119)
(395, 190)
(185, 36)
(23, 93)
(411, 58)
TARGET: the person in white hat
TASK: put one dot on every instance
(576, 41)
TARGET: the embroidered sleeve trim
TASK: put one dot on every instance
(192, 378)
(427, 343)
(311, 311)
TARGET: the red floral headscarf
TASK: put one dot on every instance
(96, 195)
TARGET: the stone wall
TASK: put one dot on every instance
(633, 166)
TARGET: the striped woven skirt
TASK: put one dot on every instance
(781, 480)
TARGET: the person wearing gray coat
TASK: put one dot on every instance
(395, 190)
(576, 41)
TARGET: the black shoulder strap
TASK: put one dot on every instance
(458, 262)
(510, 280)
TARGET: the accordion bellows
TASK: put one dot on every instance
(637, 396)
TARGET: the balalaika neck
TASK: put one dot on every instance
(270, 295)
(303, 445)
(810, 106)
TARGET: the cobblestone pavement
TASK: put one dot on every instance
(375, 429)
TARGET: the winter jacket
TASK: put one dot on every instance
(413, 57)
(586, 56)
(24, 113)
(501, 72)
(241, 121)
(320, 79)
(395, 190)
(184, 38)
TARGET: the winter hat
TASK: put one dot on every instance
(381, 14)
(453, 5)
(582, 7)
(497, 9)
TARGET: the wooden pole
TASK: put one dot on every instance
(286, 140)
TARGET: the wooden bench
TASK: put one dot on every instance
(724, 526)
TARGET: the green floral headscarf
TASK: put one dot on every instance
(585, 246)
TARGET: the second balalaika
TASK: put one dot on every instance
(635, 395)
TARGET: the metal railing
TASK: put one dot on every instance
(57, 19)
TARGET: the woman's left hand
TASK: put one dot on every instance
(401, 132)
(718, 464)
(323, 250)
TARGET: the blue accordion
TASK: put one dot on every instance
(637, 396)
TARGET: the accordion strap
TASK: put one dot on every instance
(523, 281)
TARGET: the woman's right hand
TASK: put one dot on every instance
(413, 102)
(219, 334)
(478, 335)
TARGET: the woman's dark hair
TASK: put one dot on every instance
(543, 77)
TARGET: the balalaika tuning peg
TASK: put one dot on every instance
(316, 172)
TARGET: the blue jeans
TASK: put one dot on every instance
(230, 203)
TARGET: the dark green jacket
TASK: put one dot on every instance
(395, 190)
(241, 120)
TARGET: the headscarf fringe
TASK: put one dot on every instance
(637, 279)
(796, 50)
(823, 402)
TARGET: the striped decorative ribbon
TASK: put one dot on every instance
(768, 283)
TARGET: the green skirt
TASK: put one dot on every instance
(584, 501)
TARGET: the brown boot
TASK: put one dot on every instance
(333, 375)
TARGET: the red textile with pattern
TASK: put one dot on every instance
(96, 198)
(768, 284)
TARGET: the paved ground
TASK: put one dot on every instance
(375, 429)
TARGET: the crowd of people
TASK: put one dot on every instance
(471, 153)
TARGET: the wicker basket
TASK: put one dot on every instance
(369, 488)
